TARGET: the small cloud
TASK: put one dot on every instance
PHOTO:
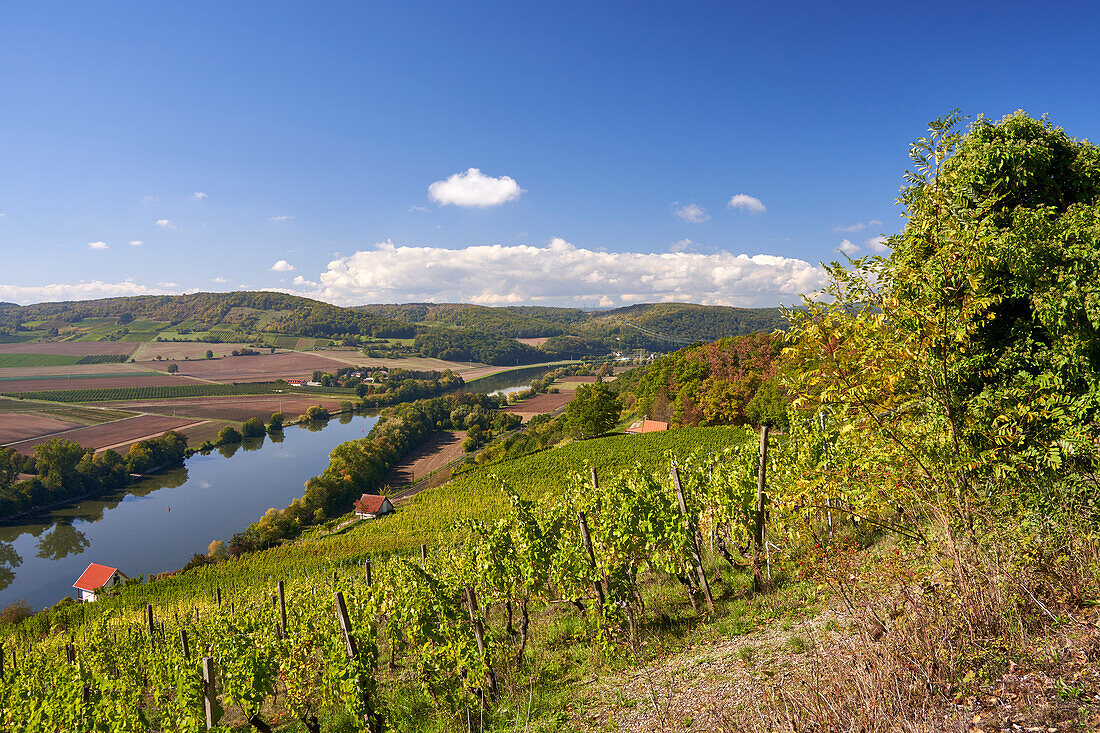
(146, 200)
(281, 217)
(136, 242)
(848, 248)
(168, 285)
(98, 245)
(2, 214)
(283, 266)
(418, 208)
(692, 213)
(299, 280)
(198, 195)
(877, 244)
(165, 224)
(474, 188)
(219, 279)
(749, 203)
(859, 226)
(680, 245)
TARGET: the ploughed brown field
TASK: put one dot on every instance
(230, 407)
(37, 385)
(261, 368)
(16, 426)
(119, 435)
(540, 404)
(75, 370)
(440, 450)
(185, 350)
(71, 348)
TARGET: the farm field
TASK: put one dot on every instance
(136, 380)
(231, 407)
(182, 351)
(262, 368)
(17, 426)
(119, 434)
(134, 331)
(69, 348)
(541, 404)
(37, 360)
(440, 450)
(535, 342)
(76, 370)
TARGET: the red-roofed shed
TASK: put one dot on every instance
(647, 426)
(369, 506)
(96, 578)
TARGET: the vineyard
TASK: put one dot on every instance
(103, 359)
(116, 394)
(407, 641)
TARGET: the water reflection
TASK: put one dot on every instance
(62, 541)
(9, 561)
(229, 449)
(251, 444)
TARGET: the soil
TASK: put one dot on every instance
(230, 407)
(542, 404)
(535, 342)
(181, 350)
(70, 348)
(120, 433)
(36, 385)
(260, 368)
(71, 370)
(440, 450)
(17, 426)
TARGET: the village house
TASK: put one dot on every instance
(96, 579)
(369, 506)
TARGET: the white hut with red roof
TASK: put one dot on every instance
(96, 579)
(369, 506)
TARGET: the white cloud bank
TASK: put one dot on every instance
(84, 290)
(847, 247)
(746, 202)
(165, 224)
(98, 245)
(283, 266)
(878, 244)
(136, 242)
(474, 188)
(560, 273)
(198, 195)
(859, 226)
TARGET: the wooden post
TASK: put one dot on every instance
(587, 539)
(85, 694)
(758, 531)
(423, 552)
(1, 662)
(696, 559)
(218, 595)
(184, 645)
(490, 676)
(149, 623)
(282, 608)
(366, 572)
(70, 653)
(209, 696)
(373, 721)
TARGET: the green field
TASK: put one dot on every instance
(37, 360)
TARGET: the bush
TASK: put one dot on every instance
(228, 435)
(15, 612)
(317, 412)
(276, 422)
(252, 428)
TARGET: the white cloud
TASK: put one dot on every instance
(859, 226)
(877, 244)
(136, 242)
(98, 245)
(418, 208)
(84, 290)
(680, 245)
(281, 217)
(2, 214)
(219, 279)
(198, 195)
(749, 203)
(299, 280)
(474, 188)
(847, 247)
(168, 285)
(165, 224)
(692, 213)
(283, 266)
(563, 274)
(146, 200)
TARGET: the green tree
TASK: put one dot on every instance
(252, 428)
(276, 423)
(593, 411)
(209, 354)
(229, 435)
(173, 368)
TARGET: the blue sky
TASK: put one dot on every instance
(609, 140)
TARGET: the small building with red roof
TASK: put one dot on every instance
(369, 506)
(647, 426)
(97, 578)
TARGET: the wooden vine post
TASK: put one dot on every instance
(587, 539)
(282, 609)
(209, 694)
(151, 625)
(696, 558)
(183, 644)
(366, 573)
(479, 636)
(373, 721)
(758, 530)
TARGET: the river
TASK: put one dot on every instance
(157, 523)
